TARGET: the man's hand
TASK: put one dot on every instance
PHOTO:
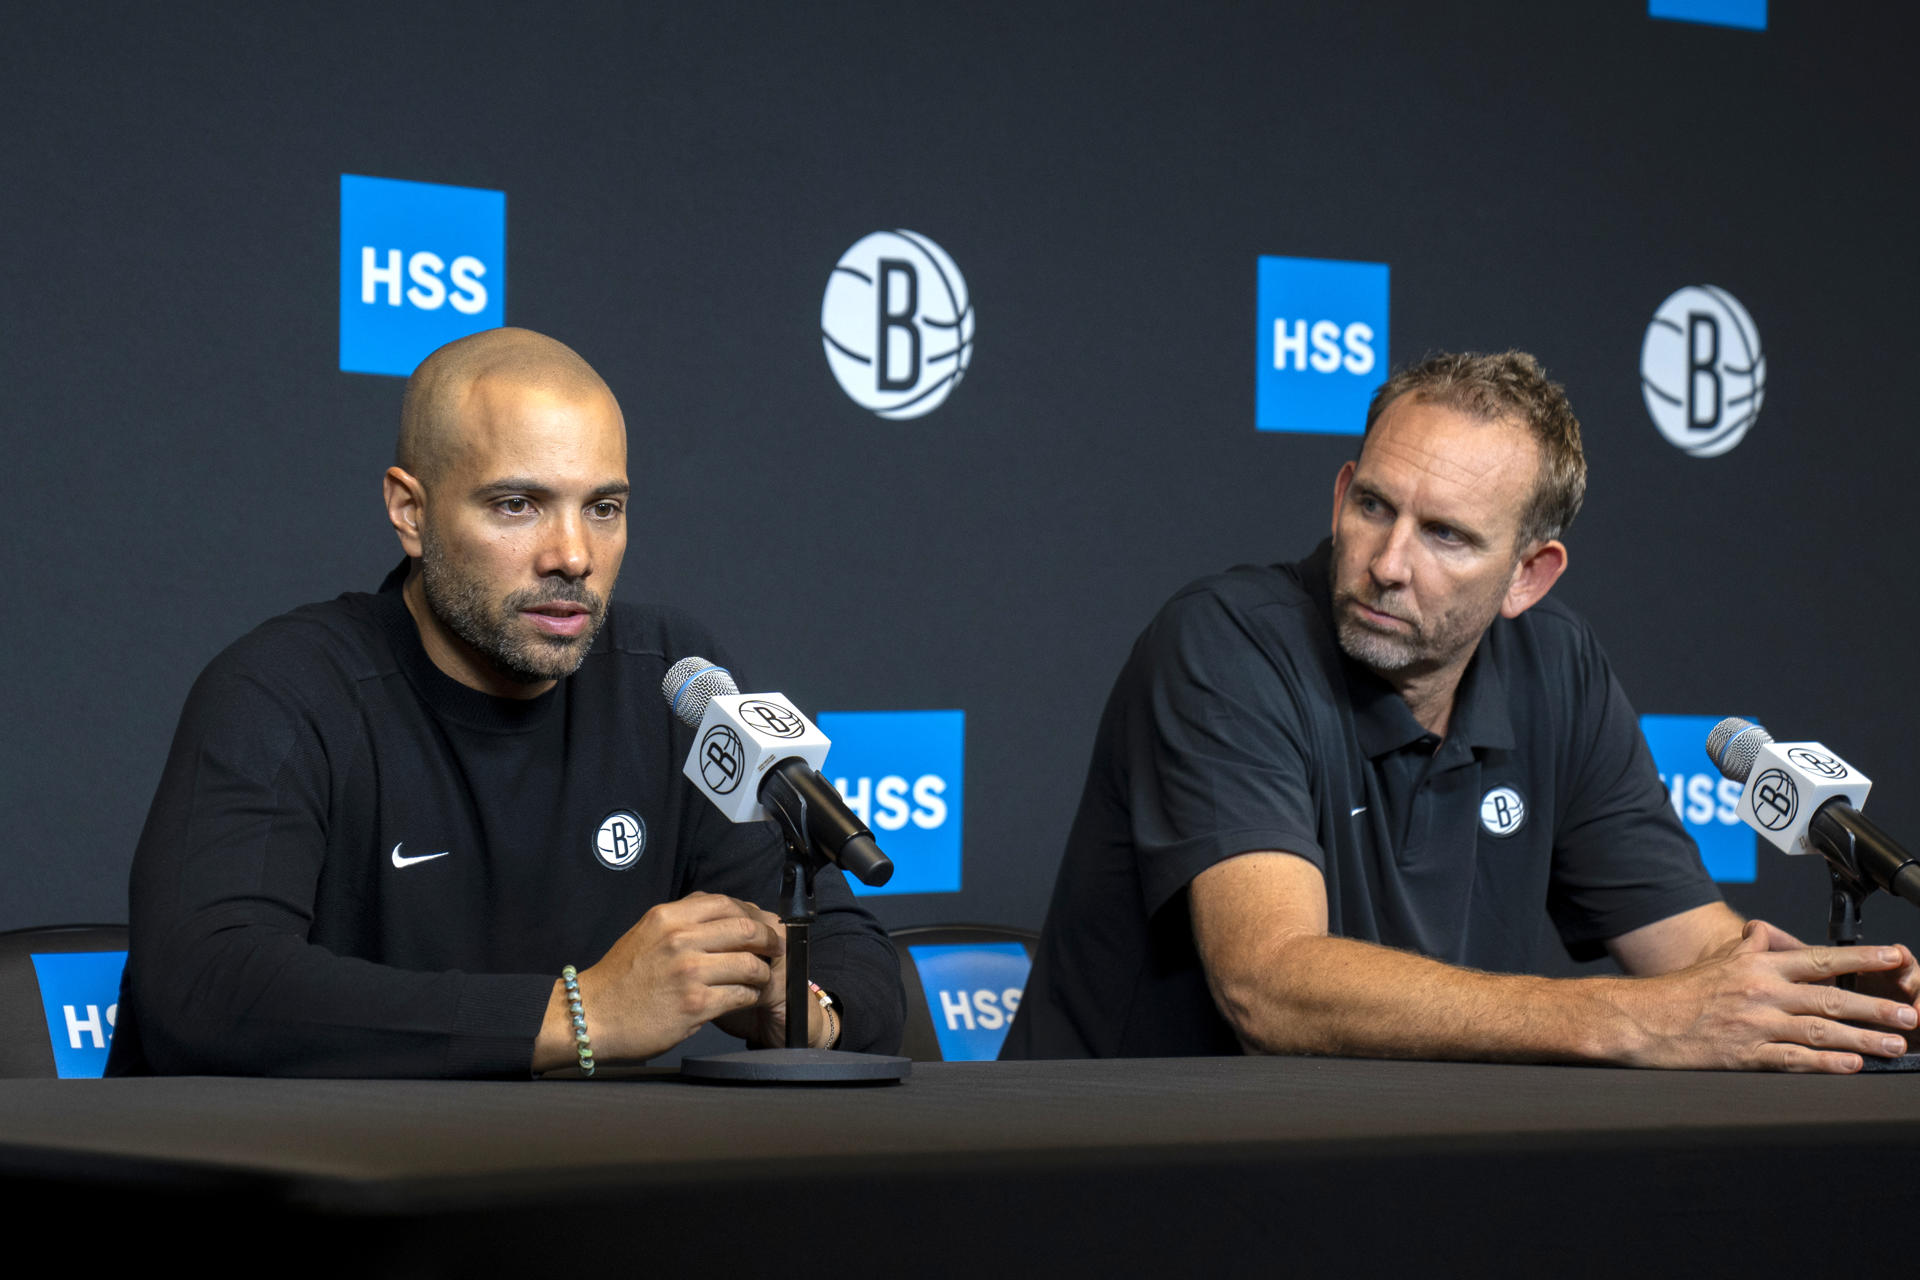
(1764, 1001)
(1902, 984)
(683, 965)
(763, 1024)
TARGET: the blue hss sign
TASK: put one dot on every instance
(901, 772)
(1750, 15)
(973, 991)
(1321, 344)
(420, 265)
(1706, 802)
(80, 993)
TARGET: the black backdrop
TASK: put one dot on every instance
(188, 459)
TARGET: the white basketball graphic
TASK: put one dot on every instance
(621, 839)
(1701, 370)
(1502, 810)
(897, 324)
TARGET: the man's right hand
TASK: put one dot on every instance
(1765, 1001)
(684, 964)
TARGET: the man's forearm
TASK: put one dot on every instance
(1329, 995)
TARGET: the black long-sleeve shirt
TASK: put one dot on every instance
(357, 866)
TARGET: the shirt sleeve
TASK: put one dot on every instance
(1621, 859)
(221, 977)
(1216, 756)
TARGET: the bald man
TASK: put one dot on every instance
(390, 821)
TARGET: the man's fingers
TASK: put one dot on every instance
(1823, 1033)
(733, 968)
(1907, 982)
(696, 907)
(725, 1000)
(732, 934)
(1813, 964)
(1775, 938)
(1848, 1006)
(1799, 1058)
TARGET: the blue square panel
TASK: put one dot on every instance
(1321, 344)
(1706, 802)
(80, 993)
(901, 772)
(973, 991)
(420, 265)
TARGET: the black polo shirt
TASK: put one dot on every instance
(1238, 725)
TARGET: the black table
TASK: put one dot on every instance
(1180, 1167)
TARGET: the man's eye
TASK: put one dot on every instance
(515, 506)
(605, 510)
(1441, 533)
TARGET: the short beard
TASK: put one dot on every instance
(1432, 644)
(461, 604)
(1381, 653)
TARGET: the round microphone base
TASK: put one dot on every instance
(796, 1066)
(1905, 1062)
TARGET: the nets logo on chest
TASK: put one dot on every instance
(1502, 811)
(620, 841)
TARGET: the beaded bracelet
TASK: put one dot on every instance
(581, 1041)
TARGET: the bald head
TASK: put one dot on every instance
(438, 393)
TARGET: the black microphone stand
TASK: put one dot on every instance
(796, 1063)
(1850, 887)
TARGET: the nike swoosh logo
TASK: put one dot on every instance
(399, 861)
(1356, 813)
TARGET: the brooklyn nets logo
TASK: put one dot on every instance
(1502, 811)
(897, 324)
(1775, 799)
(1701, 371)
(621, 839)
(723, 760)
(771, 719)
(1817, 762)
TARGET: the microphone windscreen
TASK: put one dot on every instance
(1733, 744)
(691, 684)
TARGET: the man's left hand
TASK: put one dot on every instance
(763, 1024)
(1901, 983)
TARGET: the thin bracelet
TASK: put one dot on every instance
(581, 1040)
(826, 1007)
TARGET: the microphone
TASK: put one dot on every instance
(1805, 799)
(756, 758)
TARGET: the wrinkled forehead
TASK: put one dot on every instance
(1446, 456)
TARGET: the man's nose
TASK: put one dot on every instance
(1392, 564)
(564, 551)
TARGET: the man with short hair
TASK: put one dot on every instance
(1333, 803)
(388, 822)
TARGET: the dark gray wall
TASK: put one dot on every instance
(187, 458)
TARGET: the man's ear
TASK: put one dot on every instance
(406, 507)
(1533, 577)
(1340, 483)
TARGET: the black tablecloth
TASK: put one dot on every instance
(1175, 1166)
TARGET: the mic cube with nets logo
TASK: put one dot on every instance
(1788, 783)
(740, 737)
